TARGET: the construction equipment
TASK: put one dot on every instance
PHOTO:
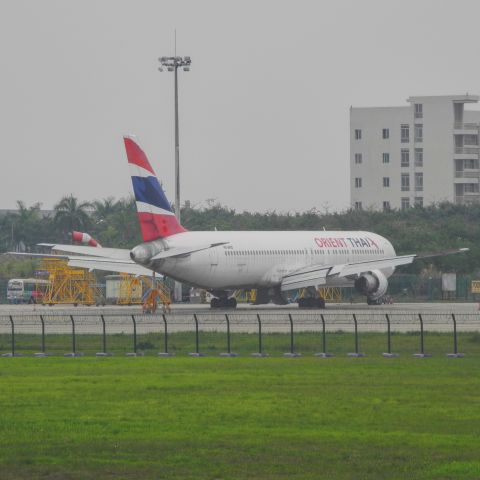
(245, 296)
(156, 290)
(329, 294)
(130, 290)
(69, 285)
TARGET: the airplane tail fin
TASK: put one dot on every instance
(155, 214)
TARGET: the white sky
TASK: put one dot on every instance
(264, 110)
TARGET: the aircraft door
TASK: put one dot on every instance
(213, 256)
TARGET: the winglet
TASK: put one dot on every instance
(155, 214)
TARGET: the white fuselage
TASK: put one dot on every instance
(261, 259)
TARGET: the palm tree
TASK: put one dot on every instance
(70, 214)
(103, 209)
(26, 225)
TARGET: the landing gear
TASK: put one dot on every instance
(223, 302)
(310, 302)
(378, 301)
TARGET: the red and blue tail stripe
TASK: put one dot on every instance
(155, 214)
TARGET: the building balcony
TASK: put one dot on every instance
(467, 199)
(465, 153)
(467, 173)
(465, 128)
(464, 179)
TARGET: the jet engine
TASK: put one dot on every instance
(373, 284)
(144, 252)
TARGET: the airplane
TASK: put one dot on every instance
(272, 262)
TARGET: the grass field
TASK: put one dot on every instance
(240, 418)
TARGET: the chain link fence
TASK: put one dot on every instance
(230, 334)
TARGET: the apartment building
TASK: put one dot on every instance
(422, 153)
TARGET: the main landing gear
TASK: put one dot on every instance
(223, 302)
(310, 302)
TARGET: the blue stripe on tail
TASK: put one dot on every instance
(148, 190)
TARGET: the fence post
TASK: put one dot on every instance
(422, 353)
(42, 346)
(260, 346)
(74, 352)
(356, 353)
(104, 352)
(165, 352)
(134, 353)
(12, 344)
(389, 353)
(292, 352)
(323, 353)
(455, 353)
(197, 342)
(228, 353)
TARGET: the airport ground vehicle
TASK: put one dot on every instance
(26, 290)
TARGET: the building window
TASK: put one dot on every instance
(404, 133)
(358, 134)
(358, 158)
(358, 182)
(405, 157)
(385, 157)
(405, 182)
(405, 203)
(470, 140)
(419, 157)
(418, 110)
(419, 133)
(419, 201)
(471, 188)
(386, 181)
(418, 181)
(358, 205)
(386, 206)
(385, 133)
(470, 164)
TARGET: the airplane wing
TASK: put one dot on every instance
(316, 275)
(313, 276)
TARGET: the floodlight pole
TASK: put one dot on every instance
(177, 152)
(173, 64)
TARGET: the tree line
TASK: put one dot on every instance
(114, 223)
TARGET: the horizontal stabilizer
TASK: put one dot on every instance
(117, 253)
(118, 265)
(178, 252)
(109, 265)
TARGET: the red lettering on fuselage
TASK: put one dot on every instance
(330, 242)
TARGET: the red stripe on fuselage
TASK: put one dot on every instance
(155, 226)
(136, 155)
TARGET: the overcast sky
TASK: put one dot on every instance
(264, 111)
